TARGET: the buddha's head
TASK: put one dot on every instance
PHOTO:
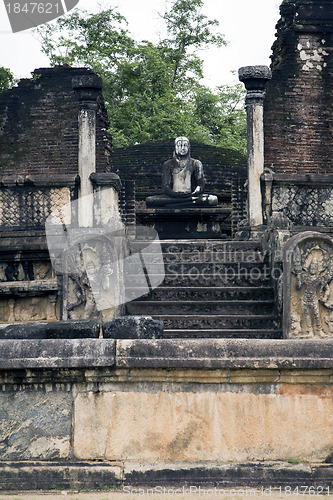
(182, 147)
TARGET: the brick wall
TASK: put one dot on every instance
(39, 127)
(299, 99)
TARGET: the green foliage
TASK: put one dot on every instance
(294, 461)
(189, 29)
(232, 117)
(7, 79)
(151, 91)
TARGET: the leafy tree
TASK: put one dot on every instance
(7, 79)
(189, 29)
(232, 117)
(151, 91)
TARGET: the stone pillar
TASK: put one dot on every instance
(88, 87)
(106, 186)
(254, 79)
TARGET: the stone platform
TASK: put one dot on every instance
(187, 222)
(103, 413)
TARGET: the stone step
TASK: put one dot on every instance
(211, 288)
(189, 244)
(198, 223)
(198, 279)
(240, 307)
(223, 334)
(184, 257)
(182, 253)
(170, 267)
(196, 246)
(163, 293)
(224, 268)
(217, 322)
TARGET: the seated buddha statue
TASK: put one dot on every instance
(183, 181)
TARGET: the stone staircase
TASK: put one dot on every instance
(211, 289)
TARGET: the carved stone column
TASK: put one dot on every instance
(255, 79)
(88, 87)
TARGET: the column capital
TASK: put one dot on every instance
(108, 179)
(254, 79)
(87, 87)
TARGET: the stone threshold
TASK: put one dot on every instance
(167, 353)
(313, 478)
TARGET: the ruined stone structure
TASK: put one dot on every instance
(54, 149)
(298, 104)
(218, 370)
(298, 183)
(298, 114)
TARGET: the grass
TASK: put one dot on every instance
(294, 461)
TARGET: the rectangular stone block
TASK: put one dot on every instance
(59, 353)
(225, 353)
(35, 424)
(238, 425)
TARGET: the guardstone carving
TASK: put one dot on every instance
(308, 287)
(91, 273)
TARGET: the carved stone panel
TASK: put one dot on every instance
(91, 276)
(21, 309)
(28, 288)
(304, 205)
(29, 206)
(308, 286)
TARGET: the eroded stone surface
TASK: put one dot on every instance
(35, 425)
(52, 330)
(305, 205)
(56, 353)
(133, 327)
(225, 353)
(189, 426)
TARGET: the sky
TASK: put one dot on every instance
(248, 26)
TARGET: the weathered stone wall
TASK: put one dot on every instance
(39, 127)
(217, 420)
(54, 150)
(161, 402)
(298, 116)
(153, 416)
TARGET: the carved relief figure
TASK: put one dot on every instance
(311, 298)
(183, 181)
(90, 271)
(80, 295)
